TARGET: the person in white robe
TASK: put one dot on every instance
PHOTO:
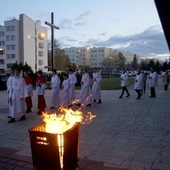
(85, 95)
(65, 99)
(18, 92)
(8, 84)
(138, 86)
(153, 81)
(72, 80)
(96, 88)
(124, 78)
(55, 92)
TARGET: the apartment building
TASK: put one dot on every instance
(91, 56)
(25, 41)
(94, 56)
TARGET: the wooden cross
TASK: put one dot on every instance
(52, 35)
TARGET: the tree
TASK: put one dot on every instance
(157, 65)
(21, 66)
(61, 61)
(144, 65)
(135, 64)
(121, 60)
(151, 63)
(73, 66)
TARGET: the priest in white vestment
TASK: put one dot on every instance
(18, 92)
(8, 84)
(85, 95)
(55, 92)
(96, 88)
(72, 80)
(65, 99)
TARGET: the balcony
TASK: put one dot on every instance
(41, 45)
(41, 62)
(41, 53)
(2, 62)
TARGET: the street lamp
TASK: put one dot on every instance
(41, 37)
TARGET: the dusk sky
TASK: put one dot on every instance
(130, 25)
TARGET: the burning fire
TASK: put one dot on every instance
(60, 123)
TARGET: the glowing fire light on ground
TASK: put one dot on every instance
(60, 123)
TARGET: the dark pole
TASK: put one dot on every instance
(52, 38)
(52, 35)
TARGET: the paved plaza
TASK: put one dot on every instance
(127, 134)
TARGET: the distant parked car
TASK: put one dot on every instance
(117, 73)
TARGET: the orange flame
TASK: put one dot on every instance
(60, 123)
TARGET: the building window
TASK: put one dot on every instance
(40, 62)
(41, 53)
(41, 45)
(12, 37)
(10, 47)
(10, 56)
(9, 65)
(1, 34)
(7, 38)
(2, 43)
(10, 28)
(2, 61)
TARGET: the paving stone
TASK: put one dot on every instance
(139, 165)
(145, 154)
(126, 133)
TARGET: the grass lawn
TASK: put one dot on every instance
(111, 83)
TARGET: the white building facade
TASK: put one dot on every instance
(16, 46)
(87, 56)
(94, 56)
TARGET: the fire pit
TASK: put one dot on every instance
(55, 143)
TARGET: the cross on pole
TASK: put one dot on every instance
(52, 35)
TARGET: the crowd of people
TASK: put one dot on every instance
(140, 82)
(20, 91)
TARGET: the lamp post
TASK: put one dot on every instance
(41, 37)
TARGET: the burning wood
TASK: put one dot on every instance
(62, 122)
